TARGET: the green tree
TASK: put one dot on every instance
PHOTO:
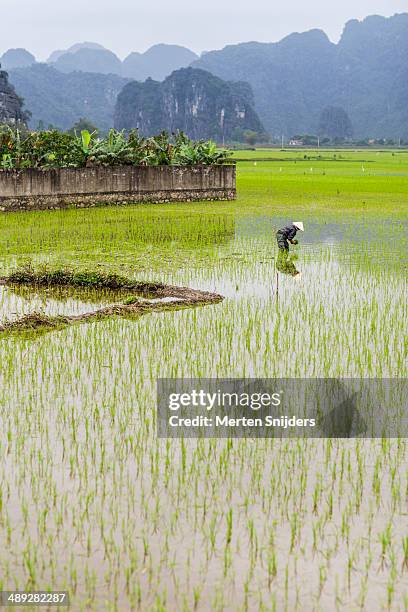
(250, 136)
(237, 135)
(81, 125)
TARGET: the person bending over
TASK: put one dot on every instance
(287, 234)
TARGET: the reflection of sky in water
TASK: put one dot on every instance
(362, 241)
(314, 232)
(333, 258)
(18, 301)
(16, 304)
(331, 281)
(323, 233)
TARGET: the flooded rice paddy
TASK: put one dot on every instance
(92, 502)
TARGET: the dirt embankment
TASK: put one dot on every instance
(135, 298)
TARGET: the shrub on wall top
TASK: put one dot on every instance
(54, 149)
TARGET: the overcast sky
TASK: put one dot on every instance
(134, 25)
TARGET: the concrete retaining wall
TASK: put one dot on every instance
(36, 189)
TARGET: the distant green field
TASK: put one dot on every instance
(333, 179)
(93, 502)
(378, 155)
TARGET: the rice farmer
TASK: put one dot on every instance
(287, 234)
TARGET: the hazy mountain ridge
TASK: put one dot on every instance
(55, 55)
(157, 62)
(295, 79)
(191, 100)
(61, 99)
(100, 61)
(15, 58)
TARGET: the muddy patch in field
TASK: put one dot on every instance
(46, 300)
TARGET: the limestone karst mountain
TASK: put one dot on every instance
(190, 100)
(11, 105)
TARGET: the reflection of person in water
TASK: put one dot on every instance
(284, 263)
(287, 234)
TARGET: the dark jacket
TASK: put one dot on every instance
(288, 232)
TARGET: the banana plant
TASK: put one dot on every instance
(7, 162)
(82, 147)
(115, 150)
(55, 149)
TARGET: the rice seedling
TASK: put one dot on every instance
(93, 502)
